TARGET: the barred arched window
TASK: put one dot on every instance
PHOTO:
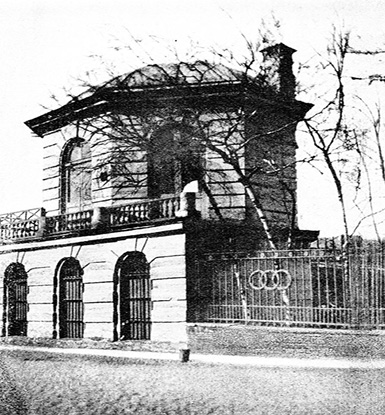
(132, 297)
(15, 305)
(76, 175)
(68, 299)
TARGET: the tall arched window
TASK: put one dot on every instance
(68, 299)
(15, 300)
(132, 297)
(76, 175)
(173, 161)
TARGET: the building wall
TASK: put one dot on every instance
(273, 152)
(164, 248)
(222, 181)
(225, 189)
(125, 178)
(52, 147)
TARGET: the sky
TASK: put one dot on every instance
(46, 45)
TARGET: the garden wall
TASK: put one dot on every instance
(285, 342)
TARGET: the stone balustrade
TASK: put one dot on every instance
(33, 223)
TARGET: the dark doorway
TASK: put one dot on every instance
(174, 160)
(69, 275)
(15, 300)
(132, 298)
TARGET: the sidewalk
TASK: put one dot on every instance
(216, 359)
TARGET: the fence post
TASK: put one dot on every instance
(100, 218)
(242, 294)
(42, 223)
(187, 205)
(358, 291)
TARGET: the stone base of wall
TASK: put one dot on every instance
(132, 345)
(241, 340)
(285, 342)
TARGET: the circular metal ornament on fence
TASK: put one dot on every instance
(270, 279)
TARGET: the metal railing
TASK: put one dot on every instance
(308, 288)
(20, 225)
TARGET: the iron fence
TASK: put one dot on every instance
(312, 287)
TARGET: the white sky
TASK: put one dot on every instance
(45, 44)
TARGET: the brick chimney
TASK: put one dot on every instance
(277, 71)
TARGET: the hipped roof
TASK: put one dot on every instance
(183, 84)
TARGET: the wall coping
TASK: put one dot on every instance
(292, 330)
(153, 230)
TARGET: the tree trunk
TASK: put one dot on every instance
(256, 203)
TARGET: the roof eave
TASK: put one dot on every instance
(230, 94)
(106, 99)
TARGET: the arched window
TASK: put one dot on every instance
(68, 299)
(132, 298)
(173, 161)
(76, 175)
(15, 300)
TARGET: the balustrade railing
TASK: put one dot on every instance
(69, 222)
(154, 210)
(33, 223)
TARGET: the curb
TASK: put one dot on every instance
(286, 362)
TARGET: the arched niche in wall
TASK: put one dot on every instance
(75, 175)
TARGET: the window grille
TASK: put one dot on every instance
(68, 289)
(15, 300)
(132, 298)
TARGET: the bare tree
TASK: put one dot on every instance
(121, 119)
(328, 128)
(348, 132)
